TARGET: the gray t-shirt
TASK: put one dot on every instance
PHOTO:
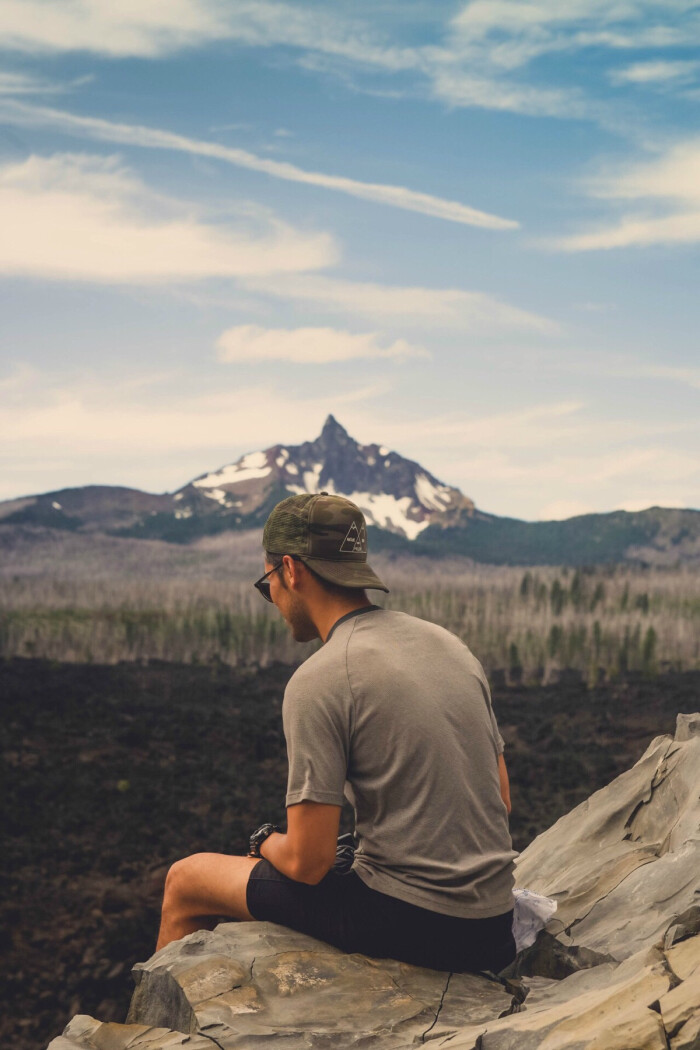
(394, 714)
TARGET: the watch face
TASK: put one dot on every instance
(259, 836)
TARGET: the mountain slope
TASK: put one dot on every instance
(657, 536)
(406, 507)
(394, 493)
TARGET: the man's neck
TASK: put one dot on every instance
(330, 612)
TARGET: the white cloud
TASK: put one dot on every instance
(659, 72)
(97, 129)
(251, 343)
(671, 179)
(474, 312)
(126, 28)
(513, 33)
(638, 231)
(675, 175)
(87, 218)
(462, 87)
(480, 59)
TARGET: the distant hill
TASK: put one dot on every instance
(406, 507)
(657, 536)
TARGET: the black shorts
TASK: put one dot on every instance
(343, 911)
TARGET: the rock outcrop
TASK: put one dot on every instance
(617, 967)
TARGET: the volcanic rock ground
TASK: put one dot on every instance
(111, 773)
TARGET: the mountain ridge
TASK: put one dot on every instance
(407, 509)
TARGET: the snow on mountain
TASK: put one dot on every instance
(394, 493)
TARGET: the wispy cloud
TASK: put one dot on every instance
(87, 218)
(483, 56)
(24, 84)
(655, 72)
(251, 343)
(97, 129)
(672, 179)
(474, 312)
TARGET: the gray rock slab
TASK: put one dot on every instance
(608, 1007)
(684, 958)
(262, 981)
(85, 1033)
(681, 1005)
(689, 1036)
(617, 968)
(625, 864)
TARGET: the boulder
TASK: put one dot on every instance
(617, 967)
(624, 866)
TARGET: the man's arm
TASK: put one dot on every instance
(307, 851)
(504, 782)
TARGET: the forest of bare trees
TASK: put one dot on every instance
(103, 600)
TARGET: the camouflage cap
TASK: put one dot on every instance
(328, 533)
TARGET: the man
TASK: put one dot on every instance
(393, 713)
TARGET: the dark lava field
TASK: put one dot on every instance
(112, 773)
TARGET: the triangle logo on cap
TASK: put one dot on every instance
(355, 541)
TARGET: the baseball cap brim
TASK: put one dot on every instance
(345, 573)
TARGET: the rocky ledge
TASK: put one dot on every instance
(617, 967)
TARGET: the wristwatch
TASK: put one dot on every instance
(259, 836)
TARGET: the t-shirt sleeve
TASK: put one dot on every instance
(316, 729)
(500, 743)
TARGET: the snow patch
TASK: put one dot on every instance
(371, 461)
(283, 457)
(56, 506)
(434, 497)
(186, 513)
(179, 495)
(311, 477)
(292, 468)
(253, 461)
(218, 494)
(388, 512)
(383, 451)
(254, 465)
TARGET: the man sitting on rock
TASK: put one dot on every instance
(394, 714)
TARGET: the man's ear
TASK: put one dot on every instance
(292, 571)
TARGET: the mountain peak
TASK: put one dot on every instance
(332, 428)
(393, 493)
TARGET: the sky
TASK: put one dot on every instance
(469, 230)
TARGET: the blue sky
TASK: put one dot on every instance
(469, 230)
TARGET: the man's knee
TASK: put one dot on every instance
(180, 878)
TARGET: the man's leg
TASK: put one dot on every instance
(201, 886)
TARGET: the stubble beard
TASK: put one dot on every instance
(298, 620)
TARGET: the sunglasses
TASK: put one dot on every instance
(263, 584)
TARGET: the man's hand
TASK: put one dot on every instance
(307, 852)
